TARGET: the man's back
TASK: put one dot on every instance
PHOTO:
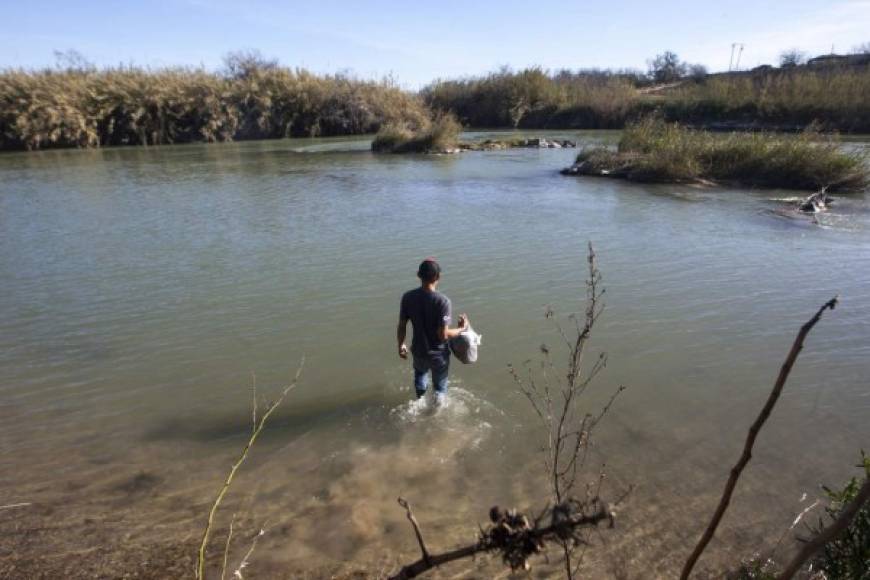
(429, 312)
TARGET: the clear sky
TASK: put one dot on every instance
(419, 41)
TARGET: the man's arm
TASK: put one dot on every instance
(400, 336)
(447, 333)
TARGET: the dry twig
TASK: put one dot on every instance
(247, 557)
(227, 548)
(200, 567)
(14, 505)
(750, 438)
(404, 503)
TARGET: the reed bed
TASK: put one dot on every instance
(655, 151)
(134, 106)
(531, 98)
(834, 97)
(439, 136)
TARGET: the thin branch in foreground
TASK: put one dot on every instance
(14, 505)
(227, 548)
(253, 401)
(247, 557)
(750, 438)
(829, 533)
(200, 566)
(404, 503)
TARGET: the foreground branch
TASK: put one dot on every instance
(829, 533)
(200, 566)
(404, 503)
(513, 535)
(750, 438)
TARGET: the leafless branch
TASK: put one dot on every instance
(200, 567)
(555, 397)
(227, 548)
(750, 438)
(14, 505)
(404, 503)
(254, 401)
(247, 557)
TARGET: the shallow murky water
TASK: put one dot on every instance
(140, 288)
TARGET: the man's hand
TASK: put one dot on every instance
(403, 350)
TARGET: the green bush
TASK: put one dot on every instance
(848, 556)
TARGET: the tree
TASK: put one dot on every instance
(72, 60)
(698, 72)
(666, 67)
(863, 48)
(793, 57)
(244, 64)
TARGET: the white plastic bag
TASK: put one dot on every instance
(464, 346)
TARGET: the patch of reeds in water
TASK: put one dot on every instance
(655, 151)
(438, 136)
(120, 106)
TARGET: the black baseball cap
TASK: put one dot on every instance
(429, 270)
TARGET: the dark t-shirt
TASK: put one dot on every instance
(428, 311)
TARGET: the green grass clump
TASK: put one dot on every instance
(848, 555)
(439, 135)
(655, 151)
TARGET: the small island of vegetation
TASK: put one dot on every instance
(652, 150)
(440, 135)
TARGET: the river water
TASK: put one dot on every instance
(142, 289)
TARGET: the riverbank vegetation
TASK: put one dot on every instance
(787, 98)
(77, 105)
(440, 135)
(251, 98)
(653, 150)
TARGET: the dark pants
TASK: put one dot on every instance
(439, 364)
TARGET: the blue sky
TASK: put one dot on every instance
(419, 41)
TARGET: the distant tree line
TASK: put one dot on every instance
(790, 97)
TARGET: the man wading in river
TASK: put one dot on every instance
(430, 315)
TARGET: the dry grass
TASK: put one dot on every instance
(441, 135)
(134, 106)
(835, 97)
(534, 98)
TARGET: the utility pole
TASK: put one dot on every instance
(731, 60)
(739, 54)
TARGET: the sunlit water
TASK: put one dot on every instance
(141, 288)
